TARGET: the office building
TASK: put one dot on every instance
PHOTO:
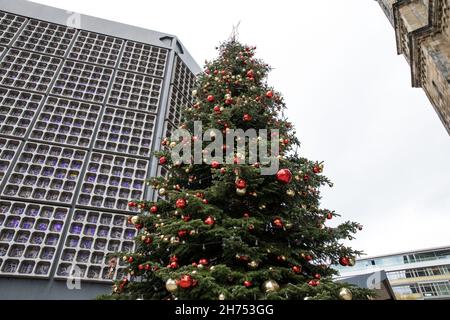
(413, 275)
(84, 102)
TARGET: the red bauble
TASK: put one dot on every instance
(317, 276)
(217, 109)
(141, 267)
(203, 261)
(162, 160)
(154, 209)
(210, 220)
(246, 215)
(248, 283)
(181, 203)
(210, 98)
(251, 227)
(269, 94)
(215, 164)
(130, 259)
(147, 267)
(241, 184)
(182, 233)
(344, 261)
(205, 201)
(250, 74)
(278, 223)
(148, 240)
(247, 117)
(228, 101)
(186, 218)
(173, 258)
(316, 169)
(173, 265)
(284, 175)
(223, 170)
(185, 282)
(132, 204)
(297, 269)
(305, 177)
(313, 283)
(308, 257)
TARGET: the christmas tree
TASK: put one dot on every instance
(228, 229)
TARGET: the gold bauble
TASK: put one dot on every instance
(345, 294)
(351, 261)
(171, 285)
(221, 296)
(241, 192)
(162, 191)
(134, 219)
(270, 286)
(290, 193)
(253, 264)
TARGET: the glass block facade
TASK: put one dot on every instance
(81, 112)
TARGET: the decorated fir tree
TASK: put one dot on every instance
(225, 229)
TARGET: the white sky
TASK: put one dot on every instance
(348, 94)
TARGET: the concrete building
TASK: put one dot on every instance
(413, 275)
(83, 103)
(422, 31)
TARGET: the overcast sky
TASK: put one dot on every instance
(348, 94)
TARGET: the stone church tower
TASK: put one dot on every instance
(422, 34)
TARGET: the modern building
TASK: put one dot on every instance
(83, 103)
(422, 31)
(413, 275)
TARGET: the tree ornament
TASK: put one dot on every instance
(221, 296)
(284, 176)
(290, 193)
(162, 160)
(215, 164)
(270, 286)
(210, 98)
(171, 285)
(162, 191)
(182, 233)
(314, 283)
(210, 221)
(186, 218)
(297, 269)
(269, 94)
(278, 223)
(223, 170)
(343, 261)
(253, 264)
(241, 184)
(241, 192)
(185, 282)
(181, 203)
(329, 215)
(247, 117)
(345, 294)
(203, 261)
(130, 260)
(173, 265)
(317, 169)
(351, 261)
(134, 219)
(248, 283)
(216, 109)
(153, 209)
